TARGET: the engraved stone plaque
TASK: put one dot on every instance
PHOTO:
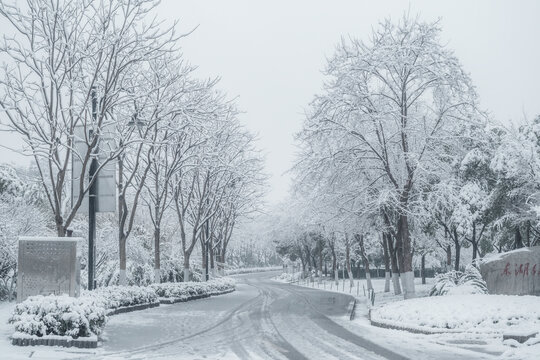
(48, 266)
(515, 272)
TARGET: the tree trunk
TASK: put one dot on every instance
(60, 229)
(334, 266)
(474, 243)
(186, 267)
(122, 280)
(407, 273)
(519, 241)
(211, 257)
(449, 256)
(458, 250)
(320, 263)
(423, 269)
(395, 269)
(365, 259)
(386, 263)
(157, 262)
(348, 262)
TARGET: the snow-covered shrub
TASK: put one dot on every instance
(171, 271)
(186, 290)
(286, 277)
(59, 315)
(459, 283)
(113, 297)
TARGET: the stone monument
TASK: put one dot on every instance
(516, 272)
(48, 266)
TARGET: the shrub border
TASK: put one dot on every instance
(85, 343)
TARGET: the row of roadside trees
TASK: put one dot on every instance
(106, 80)
(397, 158)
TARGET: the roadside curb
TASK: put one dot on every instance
(352, 308)
(67, 342)
(169, 301)
(127, 309)
(385, 325)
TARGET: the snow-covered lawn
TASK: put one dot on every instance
(495, 314)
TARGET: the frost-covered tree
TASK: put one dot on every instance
(70, 65)
(391, 110)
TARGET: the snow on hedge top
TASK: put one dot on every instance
(59, 315)
(469, 313)
(113, 297)
(191, 288)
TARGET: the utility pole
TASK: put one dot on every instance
(92, 194)
(207, 240)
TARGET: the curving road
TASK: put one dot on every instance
(263, 319)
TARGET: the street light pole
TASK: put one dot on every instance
(92, 194)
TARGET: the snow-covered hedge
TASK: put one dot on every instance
(114, 297)
(186, 290)
(59, 315)
(252, 270)
(459, 283)
(85, 316)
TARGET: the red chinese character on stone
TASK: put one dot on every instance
(534, 270)
(526, 269)
(506, 270)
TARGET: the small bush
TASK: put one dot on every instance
(459, 283)
(59, 315)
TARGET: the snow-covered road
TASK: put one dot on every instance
(262, 319)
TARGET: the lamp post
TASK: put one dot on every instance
(92, 194)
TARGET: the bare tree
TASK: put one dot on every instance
(62, 53)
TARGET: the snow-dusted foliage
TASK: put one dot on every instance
(113, 297)
(60, 315)
(459, 283)
(186, 290)
(20, 214)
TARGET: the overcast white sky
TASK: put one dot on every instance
(270, 55)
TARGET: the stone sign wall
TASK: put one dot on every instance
(48, 266)
(515, 272)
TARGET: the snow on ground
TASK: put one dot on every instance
(472, 313)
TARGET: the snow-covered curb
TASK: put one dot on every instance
(125, 309)
(487, 314)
